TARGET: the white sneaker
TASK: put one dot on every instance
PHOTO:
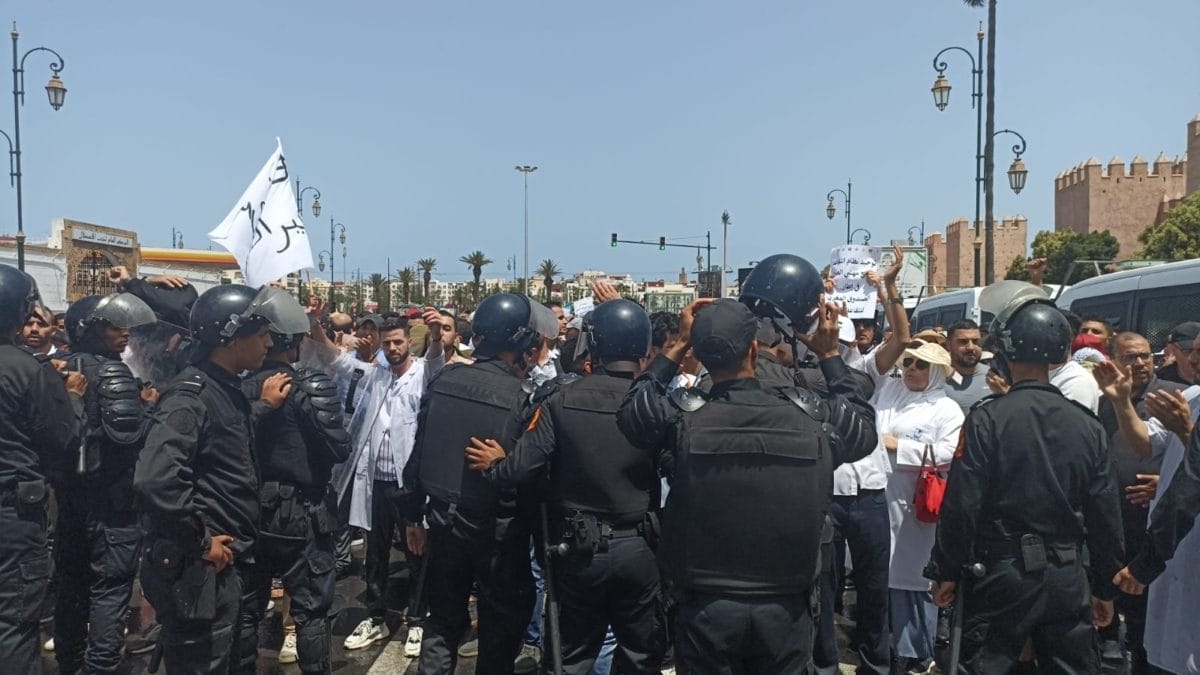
(287, 653)
(527, 660)
(412, 645)
(366, 634)
(48, 645)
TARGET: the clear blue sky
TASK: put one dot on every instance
(646, 118)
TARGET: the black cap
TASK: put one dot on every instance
(1185, 333)
(373, 319)
(722, 333)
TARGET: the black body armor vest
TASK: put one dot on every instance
(746, 508)
(482, 400)
(596, 470)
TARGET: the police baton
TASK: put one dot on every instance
(416, 613)
(972, 571)
(550, 597)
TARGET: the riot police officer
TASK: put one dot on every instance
(197, 480)
(38, 434)
(600, 492)
(745, 581)
(296, 447)
(1030, 485)
(98, 535)
(476, 533)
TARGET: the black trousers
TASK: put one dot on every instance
(721, 635)
(95, 562)
(387, 502)
(461, 555)
(1009, 605)
(24, 574)
(196, 606)
(290, 549)
(862, 521)
(619, 588)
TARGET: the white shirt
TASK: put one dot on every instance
(870, 472)
(1077, 383)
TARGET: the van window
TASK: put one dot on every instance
(951, 314)
(1160, 310)
(925, 320)
(1112, 308)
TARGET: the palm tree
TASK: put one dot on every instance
(426, 265)
(476, 260)
(379, 287)
(407, 277)
(989, 146)
(548, 270)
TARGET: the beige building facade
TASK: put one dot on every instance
(952, 255)
(1125, 199)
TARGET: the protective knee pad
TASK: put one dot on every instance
(312, 646)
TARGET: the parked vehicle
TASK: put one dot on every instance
(1148, 300)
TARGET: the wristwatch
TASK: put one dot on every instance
(896, 301)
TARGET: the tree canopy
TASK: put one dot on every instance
(1060, 249)
(1177, 237)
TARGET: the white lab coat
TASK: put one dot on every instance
(1173, 609)
(359, 469)
(915, 418)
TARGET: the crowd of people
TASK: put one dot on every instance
(614, 492)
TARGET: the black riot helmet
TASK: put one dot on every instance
(227, 312)
(18, 297)
(1032, 330)
(121, 310)
(510, 322)
(619, 334)
(784, 286)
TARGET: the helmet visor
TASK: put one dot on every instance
(124, 310)
(542, 320)
(279, 310)
(1003, 298)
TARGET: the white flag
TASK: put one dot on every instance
(263, 230)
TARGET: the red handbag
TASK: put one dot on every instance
(931, 488)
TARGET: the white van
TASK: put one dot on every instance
(948, 308)
(1148, 300)
(945, 309)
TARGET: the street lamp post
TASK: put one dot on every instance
(57, 93)
(866, 235)
(176, 238)
(332, 228)
(725, 223)
(526, 169)
(921, 227)
(984, 178)
(316, 205)
(941, 99)
(831, 210)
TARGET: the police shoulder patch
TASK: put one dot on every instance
(183, 421)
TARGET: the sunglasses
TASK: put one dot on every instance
(921, 365)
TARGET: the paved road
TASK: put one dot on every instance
(387, 656)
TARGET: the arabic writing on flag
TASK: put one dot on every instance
(263, 231)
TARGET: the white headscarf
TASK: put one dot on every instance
(892, 396)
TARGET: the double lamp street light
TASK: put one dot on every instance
(1017, 172)
(57, 92)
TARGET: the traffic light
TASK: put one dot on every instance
(662, 243)
(614, 239)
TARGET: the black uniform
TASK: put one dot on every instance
(745, 578)
(98, 536)
(476, 534)
(196, 478)
(296, 448)
(38, 437)
(600, 484)
(1030, 485)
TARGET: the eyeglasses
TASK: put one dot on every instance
(921, 365)
(1143, 356)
